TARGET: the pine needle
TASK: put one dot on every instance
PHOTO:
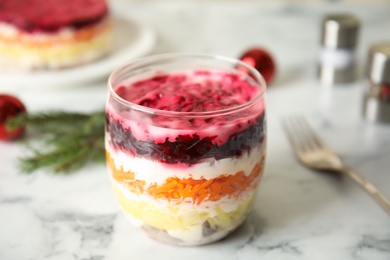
(64, 141)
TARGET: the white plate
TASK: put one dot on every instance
(131, 40)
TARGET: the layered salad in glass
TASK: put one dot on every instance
(185, 145)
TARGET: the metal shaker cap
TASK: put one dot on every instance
(378, 65)
(376, 102)
(340, 30)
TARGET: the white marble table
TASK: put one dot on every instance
(298, 214)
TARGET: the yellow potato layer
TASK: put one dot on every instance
(170, 219)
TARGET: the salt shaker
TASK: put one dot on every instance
(338, 43)
(376, 102)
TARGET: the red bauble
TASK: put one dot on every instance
(10, 107)
(262, 61)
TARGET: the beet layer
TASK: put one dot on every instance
(51, 15)
(187, 149)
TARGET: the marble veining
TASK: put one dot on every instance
(369, 245)
(56, 233)
(94, 232)
(12, 200)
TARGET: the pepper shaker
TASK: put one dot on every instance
(376, 101)
(338, 43)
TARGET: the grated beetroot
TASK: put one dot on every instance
(197, 91)
(187, 149)
(51, 15)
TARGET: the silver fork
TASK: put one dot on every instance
(313, 153)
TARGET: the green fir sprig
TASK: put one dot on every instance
(61, 141)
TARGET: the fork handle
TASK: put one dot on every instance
(370, 188)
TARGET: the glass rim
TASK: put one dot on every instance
(260, 82)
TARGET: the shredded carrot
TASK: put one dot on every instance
(126, 177)
(118, 174)
(198, 191)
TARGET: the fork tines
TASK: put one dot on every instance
(300, 133)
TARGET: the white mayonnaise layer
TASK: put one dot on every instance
(10, 31)
(154, 172)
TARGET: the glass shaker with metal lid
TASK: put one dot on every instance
(338, 44)
(376, 103)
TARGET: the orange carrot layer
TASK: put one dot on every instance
(198, 190)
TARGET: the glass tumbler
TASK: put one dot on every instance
(185, 144)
